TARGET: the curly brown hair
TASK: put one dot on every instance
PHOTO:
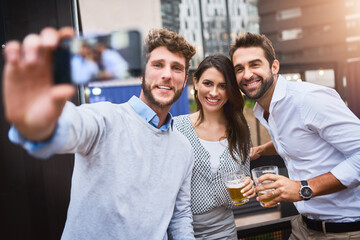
(172, 41)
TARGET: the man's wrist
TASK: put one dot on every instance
(305, 191)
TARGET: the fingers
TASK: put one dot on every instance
(36, 48)
(66, 32)
(267, 177)
(249, 189)
(253, 154)
(266, 186)
(50, 36)
(269, 198)
(30, 50)
(12, 52)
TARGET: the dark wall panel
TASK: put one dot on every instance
(34, 194)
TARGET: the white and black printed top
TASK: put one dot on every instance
(207, 190)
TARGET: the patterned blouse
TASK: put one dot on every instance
(207, 190)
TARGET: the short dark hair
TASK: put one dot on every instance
(249, 39)
(172, 41)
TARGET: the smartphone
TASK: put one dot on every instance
(113, 57)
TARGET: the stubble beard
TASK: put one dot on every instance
(146, 88)
(265, 85)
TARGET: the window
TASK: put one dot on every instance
(351, 24)
(292, 76)
(349, 3)
(353, 39)
(353, 47)
(291, 34)
(324, 77)
(288, 14)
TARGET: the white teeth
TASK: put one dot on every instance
(251, 84)
(212, 100)
(164, 87)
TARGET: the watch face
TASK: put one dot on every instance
(306, 192)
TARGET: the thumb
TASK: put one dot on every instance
(62, 92)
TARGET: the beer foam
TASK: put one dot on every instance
(237, 183)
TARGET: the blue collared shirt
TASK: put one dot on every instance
(148, 114)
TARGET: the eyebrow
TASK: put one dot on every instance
(178, 63)
(163, 60)
(252, 61)
(255, 60)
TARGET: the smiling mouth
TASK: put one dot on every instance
(212, 100)
(164, 87)
(252, 83)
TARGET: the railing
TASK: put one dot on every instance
(277, 229)
(269, 230)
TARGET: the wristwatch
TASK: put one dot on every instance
(305, 191)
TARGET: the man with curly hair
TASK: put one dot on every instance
(132, 171)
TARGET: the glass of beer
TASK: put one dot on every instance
(258, 172)
(234, 182)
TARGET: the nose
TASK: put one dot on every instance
(247, 74)
(213, 91)
(166, 74)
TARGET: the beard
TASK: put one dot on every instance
(150, 97)
(265, 85)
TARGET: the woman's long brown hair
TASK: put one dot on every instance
(237, 130)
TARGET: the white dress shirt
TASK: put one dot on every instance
(316, 133)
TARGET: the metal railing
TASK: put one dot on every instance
(268, 230)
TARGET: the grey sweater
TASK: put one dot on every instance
(130, 180)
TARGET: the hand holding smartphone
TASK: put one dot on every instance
(115, 56)
(32, 103)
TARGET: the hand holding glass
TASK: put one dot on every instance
(234, 182)
(258, 172)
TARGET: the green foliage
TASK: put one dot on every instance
(192, 105)
(249, 103)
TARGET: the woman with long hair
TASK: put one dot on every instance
(220, 137)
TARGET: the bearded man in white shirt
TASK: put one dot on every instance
(317, 136)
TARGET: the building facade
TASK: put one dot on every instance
(212, 25)
(313, 39)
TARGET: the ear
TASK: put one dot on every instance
(275, 67)
(194, 83)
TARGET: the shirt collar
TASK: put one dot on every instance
(279, 93)
(146, 113)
